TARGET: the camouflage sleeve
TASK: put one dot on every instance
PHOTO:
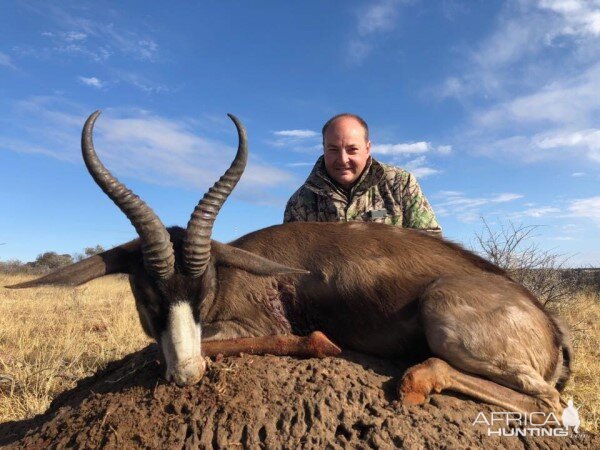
(417, 212)
(296, 209)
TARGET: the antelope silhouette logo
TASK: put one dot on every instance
(570, 417)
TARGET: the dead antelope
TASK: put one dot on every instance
(368, 287)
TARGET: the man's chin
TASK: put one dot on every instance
(345, 181)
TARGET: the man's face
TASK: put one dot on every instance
(346, 151)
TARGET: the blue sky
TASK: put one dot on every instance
(493, 105)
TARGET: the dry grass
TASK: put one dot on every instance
(581, 313)
(51, 337)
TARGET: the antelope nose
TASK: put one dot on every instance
(188, 374)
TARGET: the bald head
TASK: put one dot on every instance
(359, 119)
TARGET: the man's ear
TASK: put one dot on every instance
(368, 147)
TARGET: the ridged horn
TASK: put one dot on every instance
(157, 250)
(196, 246)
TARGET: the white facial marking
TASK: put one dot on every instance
(181, 346)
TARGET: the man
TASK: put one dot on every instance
(347, 184)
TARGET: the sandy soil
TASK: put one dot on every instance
(261, 402)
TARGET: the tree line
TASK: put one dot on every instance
(48, 261)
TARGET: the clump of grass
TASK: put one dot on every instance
(52, 336)
(581, 313)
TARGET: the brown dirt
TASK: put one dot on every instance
(260, 402)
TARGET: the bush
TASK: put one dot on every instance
(52, 260)
(541, 271)
(88, 251)
(47, 261)
(13, 266)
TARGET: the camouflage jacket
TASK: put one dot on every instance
(383, 193)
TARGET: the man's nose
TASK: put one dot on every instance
(344, 157)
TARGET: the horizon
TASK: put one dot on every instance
(493, 106)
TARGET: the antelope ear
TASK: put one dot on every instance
(115, 260)
(228, 255)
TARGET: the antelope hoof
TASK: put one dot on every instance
(421, 380)
(412, 389)
(413, 398)
(320, 346)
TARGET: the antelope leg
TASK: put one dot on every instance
(435, 375)
(314, 345)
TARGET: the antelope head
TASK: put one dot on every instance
(171, 271)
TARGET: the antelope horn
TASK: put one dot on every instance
(196, 246)
(157, 250)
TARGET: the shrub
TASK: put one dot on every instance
(52, 260)
(541, 271)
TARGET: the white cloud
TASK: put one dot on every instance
(511, 41)
(554, 144)
(578, 174)
(297, 140)
(157, 145)
(357, 51)
(92, 38)
(520, 50)
(378, 16)
(72, 44)
(419, 168)
(586, 140)
(407, 148)
(6, 61)
(502, 198)
(569, 100)
(580, 17)
(404, 148)
(146, 48)
(571, 228)
(531, 86)
(587, 208)
(452, 86)
(92, 81)
(541, 211)
(143, 83)
(159, 150)
(449, 194)
(374, 20)
(468, 209)
(296, 133)
(301, 164)
(73, 36)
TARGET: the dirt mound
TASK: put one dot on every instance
(260, 401)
